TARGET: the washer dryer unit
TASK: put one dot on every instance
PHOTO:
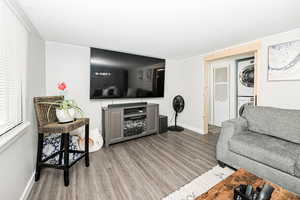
(242, 102)
(245, 77)
(245, 84)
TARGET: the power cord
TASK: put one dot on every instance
(172, 118)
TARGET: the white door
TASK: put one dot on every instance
(221, 96)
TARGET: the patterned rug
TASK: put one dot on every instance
(200, 184)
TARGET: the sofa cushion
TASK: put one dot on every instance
(281, 123)
(271, 151)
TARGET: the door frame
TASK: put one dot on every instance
(253, 47)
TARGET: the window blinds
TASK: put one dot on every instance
(13, 60)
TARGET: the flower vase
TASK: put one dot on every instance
(65, 115)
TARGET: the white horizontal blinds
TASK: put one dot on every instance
(13, 49)
(3, 71)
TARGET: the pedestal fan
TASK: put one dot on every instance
(178, 106)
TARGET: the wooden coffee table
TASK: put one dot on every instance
(224, 189)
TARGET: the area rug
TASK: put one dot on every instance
(200, 184)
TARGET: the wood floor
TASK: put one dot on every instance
(146, 168)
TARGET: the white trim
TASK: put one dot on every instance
(192, 128)
(8, 138)
(28, 188)
(22, 17)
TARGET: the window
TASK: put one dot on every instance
(13, 59)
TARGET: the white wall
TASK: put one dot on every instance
(189, 85)
(283, 94)
(71, 64)
(18, 159)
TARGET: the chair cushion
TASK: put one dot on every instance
(271, 151)
(51, 145)
(55, 127)
(281, 123)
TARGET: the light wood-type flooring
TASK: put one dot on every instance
(142, 169)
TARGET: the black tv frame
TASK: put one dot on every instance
(120, 55)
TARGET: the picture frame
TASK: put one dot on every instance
(284, 61)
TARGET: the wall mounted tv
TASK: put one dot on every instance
(122, 75)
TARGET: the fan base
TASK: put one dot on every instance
(176, 128)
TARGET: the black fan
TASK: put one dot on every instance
(178, 106)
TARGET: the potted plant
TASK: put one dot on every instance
(66, 110)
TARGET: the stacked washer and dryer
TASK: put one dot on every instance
(245, 83)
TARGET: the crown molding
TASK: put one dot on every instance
(22, 17)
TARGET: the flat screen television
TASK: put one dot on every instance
(122, 75)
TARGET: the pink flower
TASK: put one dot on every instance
(62, 86)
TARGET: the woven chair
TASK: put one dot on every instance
(49, 125)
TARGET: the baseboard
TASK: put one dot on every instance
(28, 188)
(192, 128)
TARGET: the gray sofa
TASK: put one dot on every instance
(266, 142)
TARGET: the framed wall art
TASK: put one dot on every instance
(284, 61)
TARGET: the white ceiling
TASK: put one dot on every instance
(161, 28)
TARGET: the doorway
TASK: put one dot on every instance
(159, 81)
(231, 82)
(219, 93)
(231, 53)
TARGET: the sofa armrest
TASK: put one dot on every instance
(229, 128)
(234, 126)
(297, 166)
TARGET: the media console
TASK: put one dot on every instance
(121, 122)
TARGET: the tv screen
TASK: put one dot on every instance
(121, 75)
